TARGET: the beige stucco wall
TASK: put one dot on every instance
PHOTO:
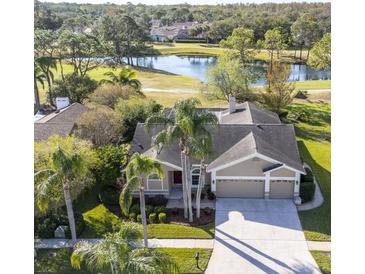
(282, 172)
(246, 168)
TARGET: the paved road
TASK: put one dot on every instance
(259, 236)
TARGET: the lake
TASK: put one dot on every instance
(197, 67)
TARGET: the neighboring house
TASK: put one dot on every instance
(177, 31)
(60, 122)
(254, 156)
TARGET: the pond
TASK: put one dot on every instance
(197, 67)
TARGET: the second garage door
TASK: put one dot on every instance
(281, 189)
(240, 188)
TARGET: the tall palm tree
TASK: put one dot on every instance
(200, 148)
(39, 77)
(117, 253)
(138, 168)
(186, 121)
(126, 76)
(47, 65)
(66, 167)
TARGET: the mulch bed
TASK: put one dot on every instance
(176, 216)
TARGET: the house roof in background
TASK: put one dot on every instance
(59, 122)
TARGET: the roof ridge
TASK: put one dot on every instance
(249, 111)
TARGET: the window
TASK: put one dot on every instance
(153, 177)
(195, 176)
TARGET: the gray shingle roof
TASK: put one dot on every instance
(276, 141)
(249, 113)
(60, 123)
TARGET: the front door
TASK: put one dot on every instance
(177, 177)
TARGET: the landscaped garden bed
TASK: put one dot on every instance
(58, 260)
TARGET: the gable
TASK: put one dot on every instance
(250, 167)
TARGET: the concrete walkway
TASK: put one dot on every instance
(317, 199)
(174, 243)
(319, 246)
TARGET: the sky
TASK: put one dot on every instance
(171, 2)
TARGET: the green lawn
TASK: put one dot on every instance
(315, 149)
(201, 49)
(175, 231)
(99, 220)
(313, 84)
(185, 258)
(323, 260)
(58, 260)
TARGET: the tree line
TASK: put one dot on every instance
(219, 20)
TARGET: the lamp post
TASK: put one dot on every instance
(197, 256)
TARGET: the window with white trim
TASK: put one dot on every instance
(195, 176)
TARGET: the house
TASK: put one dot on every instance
(177, 31)
(254, 156)
(60, 122)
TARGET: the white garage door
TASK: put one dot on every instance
(240, 188)
(281, 189)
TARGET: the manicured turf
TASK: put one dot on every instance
(201, 49)
(175, 231)
(58, 260)
(54, 261)
(323, 260)
(168, 99)
(315, 149)
(313, 84)
(185, 258)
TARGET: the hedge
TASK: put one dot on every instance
(307, 190)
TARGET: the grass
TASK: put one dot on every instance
(315, 149)
(58, 260)
(185, 258)
(313, 84)
(167, 99)
(54, 261)
(175, 231)
(323, 260)
(201, 49)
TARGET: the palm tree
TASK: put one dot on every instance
(39, 77)
(186, 122)
(66, 167)
(46, 65)
(117, 253)
(126, 76)
(138, 168)
(200, 148)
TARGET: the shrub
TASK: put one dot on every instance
(101, 125)
(149, 210)
(132, 216)
(109, 160)
(208, 211)
(133, 111)
(139, 218)
(109, 94)
(208, 189)
(158, 200)
(109, 196)
(152, 217)
(45, 227)
(159, 209)
(135, 209)
(307, 190)
(308, 177)
(211, 196)
(80, 226)
(175, 211)
(75, 87)
(202, 196)
(162, 217)
(101, 220)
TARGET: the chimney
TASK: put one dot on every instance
(232, 104)
(62, 102)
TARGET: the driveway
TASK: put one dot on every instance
(259, 236)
